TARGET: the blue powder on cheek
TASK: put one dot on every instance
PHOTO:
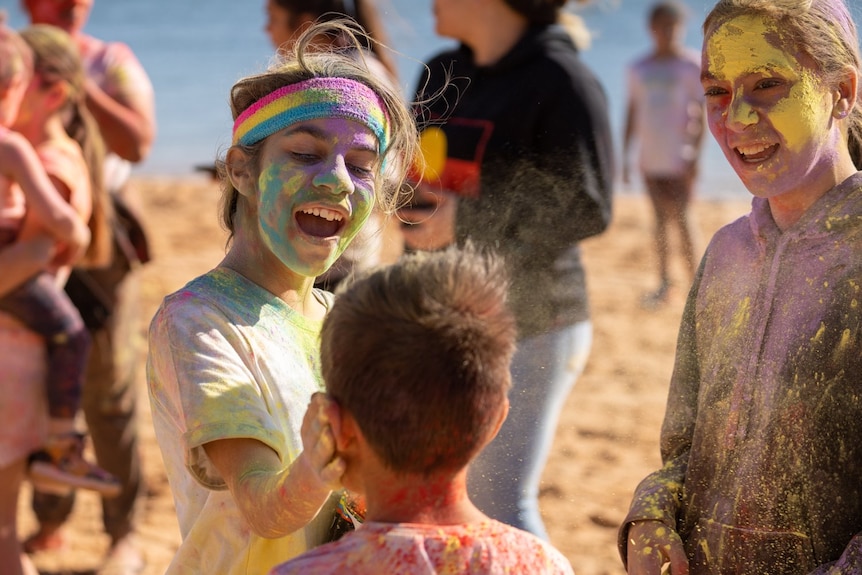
(275, 212)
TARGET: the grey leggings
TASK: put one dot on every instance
(45, 309)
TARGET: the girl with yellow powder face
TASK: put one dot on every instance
(762, 461)
(233, 363)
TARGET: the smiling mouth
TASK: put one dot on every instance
(755, 153)
(319, 222)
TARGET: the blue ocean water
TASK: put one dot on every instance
(194, 50)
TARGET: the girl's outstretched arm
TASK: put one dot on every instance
(275, 500)
(21, 164)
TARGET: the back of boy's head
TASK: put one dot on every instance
(419, 353)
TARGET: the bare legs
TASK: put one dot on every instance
(670, 199)
(12, 559)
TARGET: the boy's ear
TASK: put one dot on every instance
(238, 166)
(344, 427)
(501, 417)
(333, 416)
(845, 93)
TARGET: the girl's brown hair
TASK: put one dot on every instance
(56, 59)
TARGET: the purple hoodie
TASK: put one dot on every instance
(762, 439)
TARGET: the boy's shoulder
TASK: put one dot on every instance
(483, 548)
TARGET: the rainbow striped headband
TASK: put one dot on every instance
(309, 100)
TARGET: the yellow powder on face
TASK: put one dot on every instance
(749, 46)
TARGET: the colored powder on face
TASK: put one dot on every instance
(274, 213)
(750, 45)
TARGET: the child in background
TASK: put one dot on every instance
(665, 116)
(760, 442)
(42, 159)
(407, 426)
(233, 356)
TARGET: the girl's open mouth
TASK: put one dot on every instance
(755, 153)
(319, 222)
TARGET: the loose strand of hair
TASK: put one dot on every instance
(81, 127)
(368, 18)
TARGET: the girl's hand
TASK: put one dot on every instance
(651, 544)
(318, 441)
(849, 563)
(274, 500)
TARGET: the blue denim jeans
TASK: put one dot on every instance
(503, 480)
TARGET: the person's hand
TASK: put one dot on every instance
(318, 441)
(71, 251)
(850, 562)
(651, 544)
(428, 223)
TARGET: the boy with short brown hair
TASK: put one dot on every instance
(416, 362)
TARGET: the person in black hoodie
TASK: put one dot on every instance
(518, 156)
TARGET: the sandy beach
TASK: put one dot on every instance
(607, 438)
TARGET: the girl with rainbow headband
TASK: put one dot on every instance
(233, 356)
(285, 20)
